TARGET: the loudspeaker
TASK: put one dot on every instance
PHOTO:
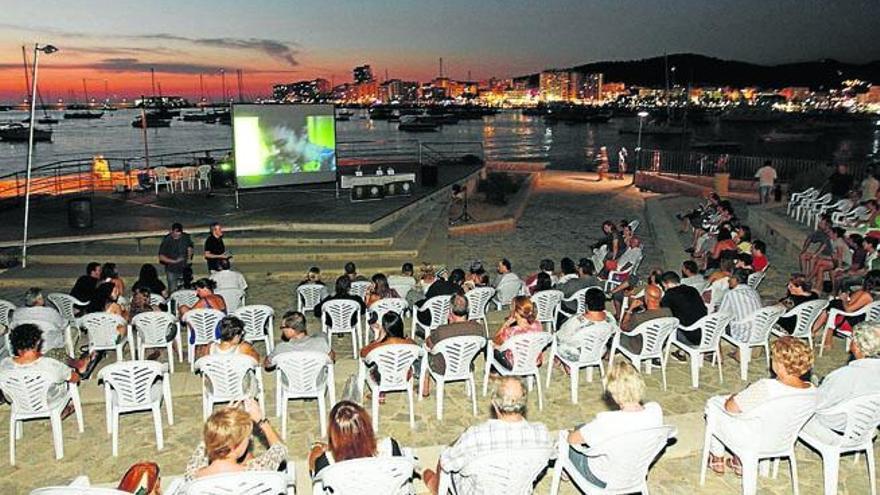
(367, 193)
(400, 188)
(429, 176)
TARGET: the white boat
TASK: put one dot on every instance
(417, 123)
(789, 137)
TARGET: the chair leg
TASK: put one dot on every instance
(721, 363)
(13, 434)
(872, 469)
(375, 404)
(830, 471)
(440, 387)
(486, 374)
(412, 407)
(792, 463)
(157, 424)
(114, 427)
(557, 476)
(695, 370)
(704, 459)
(574, 385)
(166, 397)
(284, 419)
(749, 476)
(169, 349)
(550, 363)
(745, 355)
(322, 414)
(540, 395)
(473, 389)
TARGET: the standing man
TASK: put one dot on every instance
(215, 250)
(840, 182)
(175, 253)
(766, 176)
(621, 162)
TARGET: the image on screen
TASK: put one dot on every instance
(284, 144)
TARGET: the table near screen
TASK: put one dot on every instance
(371, 187)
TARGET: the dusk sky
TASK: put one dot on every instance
(280, 41)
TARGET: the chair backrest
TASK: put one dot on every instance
(243, 483)
(594, 340)
(65, 304)
(655, 333)
(525, 348)
(719, 289)
(438, 307)
(77, 490)
(156, 299)
(6, 309)
(394, 362)
(547, 304)
(862, 418)
(712, 326)
(301, 371)
(340, 312)
(755, 279)
(27, 389)
(458, 353)
(634, 225)
(132, 380)
(629, 456)
(777, 422)
(359, 288)
(161, 173)
(807, 313)
(509, 471)
(309, 295)
(183, 297)
(234, 298)
(385, 475)
(581, 298)
(256, 318)
(187, 172)
(102, 328)
(204, 171)
(478, 298)
(509, 288)
(203, 322)
(872, 311)
(389, 305)
(227, 373)
(762, 322)
(152, 326)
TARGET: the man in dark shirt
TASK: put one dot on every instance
(84, 288)
(685, 303)
(215, 249)
(440, 288)
(840, 182)
(343, 286)
(457, 326)
(586, 277)
(175, 253)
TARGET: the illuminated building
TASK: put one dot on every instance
(395, 90)
(795, 93)
(301, 91)
(559, 85)
(363, 74)
(591, 88)
(613, 90)
(871, 97)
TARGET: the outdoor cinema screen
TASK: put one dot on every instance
(278, 145)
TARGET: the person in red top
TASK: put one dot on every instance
(759, 256)
(724, 243)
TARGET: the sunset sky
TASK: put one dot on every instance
(279, 41)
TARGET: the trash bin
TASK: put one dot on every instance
(79, 213)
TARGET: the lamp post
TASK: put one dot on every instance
(47, 49)
(642, 116)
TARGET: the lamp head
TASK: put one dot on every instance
(642, 114)
(47, 49)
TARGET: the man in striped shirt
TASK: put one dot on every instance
(742, 302)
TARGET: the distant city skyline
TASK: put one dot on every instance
(274, 41)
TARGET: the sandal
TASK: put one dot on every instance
(734, 464)
(716, 464)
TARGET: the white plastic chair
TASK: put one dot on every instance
(203, 323)
(525, 347)
(772, 432)
(595, 341)
(186, 176)
(308, 296)
(6, 310)
(396, 366)
(547, 303)
(655, 337)
(66, 306)
(755, 279)
(807, 313)
(871, 312)
(131, 386)
(507, 472)
(103, 332)
(303, 375)
(203, 175)
(383, 306)
(157, 300)
(243, 483)
(761, 323)
(814, 214)
(76, 488)
(458, 354)
(851, 218)
(161, 177)
(862, 418)
(579, 297)
(28, 391)
(598, 258)
(341, 313)
(506, 291)
(717, 290)
(438, 308)
(629, 455)
(712, 326)
(226, 380)
(359, 288)
(798, 197)
(151, 328)
(182, 297)
(804, 208)
(259, 324)
(373, 475)
(634, 225)
(478, 300)
(615, 276)
(234, 298)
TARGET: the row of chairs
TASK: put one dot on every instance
(185, 176)
(809, 205)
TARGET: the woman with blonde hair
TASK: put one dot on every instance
(627, 389)
(792, 359)
(522, 319)
(226, 438)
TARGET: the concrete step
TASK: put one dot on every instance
(265, 239)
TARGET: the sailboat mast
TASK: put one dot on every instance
(240, 83)
(223, 82)
(201, 89)
(27, 76)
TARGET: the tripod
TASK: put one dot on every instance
(464, 217)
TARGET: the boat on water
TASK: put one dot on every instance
(656, 129)
(417, 123)
(19, 133)
(751, 115)
(151, 119)
(195, 117)
(789, 137)
(83, 115)
(717, 146)
(577, 114)
(47, 119)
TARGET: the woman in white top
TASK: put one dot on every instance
(791, 360)
(626, 387)
(232, 339)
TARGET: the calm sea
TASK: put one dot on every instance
(508, 135)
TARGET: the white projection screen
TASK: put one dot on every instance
(277, 145)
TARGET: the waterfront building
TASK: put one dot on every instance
(559, 85)
(363, 74)
(591, 87)
(301, 91)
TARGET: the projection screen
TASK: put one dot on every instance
(278, 145)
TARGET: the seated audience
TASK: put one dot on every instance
(141, 302)
(759, 256)
(458, 325)
(149, 279)
(644, 309)
(505, 273)
(817, 246)
(440, 287)
(295, 338)
(109, 273)
(343, 286)
(685, 304)
(572, 334)
(231, 330)
(313, 276)
(691, 276)
(799, 290)
(612, 239)
(629, 237)
(547, 267)
(522, 319)
(352, 273)
(404, 282)
(207, 299)
(849, 302)
(586, 277)
(379, 290)
(742, 302)
(390, 331)
(85, 286)
(36, 311)
(863, 249)
(142, 478)
(841, 257)
(227, 278)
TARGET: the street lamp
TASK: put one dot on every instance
(48, 50)
(642, 115)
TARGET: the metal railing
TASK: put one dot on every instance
(438, 153)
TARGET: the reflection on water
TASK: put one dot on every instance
(506, 136)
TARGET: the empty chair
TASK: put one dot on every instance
(458, 353)
(594, 344)
(508, 472)
(186, 176)
(655, 335)
(385, 475)
(203, 174)
(547, 303)
(152, 329)
(507, 290)
(234, 298)
(67, 306)
(182, 297)
(760, 324)
(103, 329)
(629, 456)
(344, 315)
(228, 378)
(798, 197)
(382, 306)
(394, 364)
(807, 313)
(203, 325)
(35, 396)
(161, 177)
(303, 375)
(243, 483)
(599, 255)
(478, 301)
(259, 324)
(862, 418)
(526, 348)
(136, 386)
(438, 310)
(359, 288)
(870, 311)
(308, 296)
(712, 327)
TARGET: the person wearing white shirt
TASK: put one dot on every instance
(627, 388)
(48, 319)
(404, 282)
(690, 275)
(26, 340)
(226, 278)
(766, 176)
(870, 185)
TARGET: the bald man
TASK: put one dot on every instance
(507, 430)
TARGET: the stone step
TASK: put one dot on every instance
(266, 239)
(239, 260)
